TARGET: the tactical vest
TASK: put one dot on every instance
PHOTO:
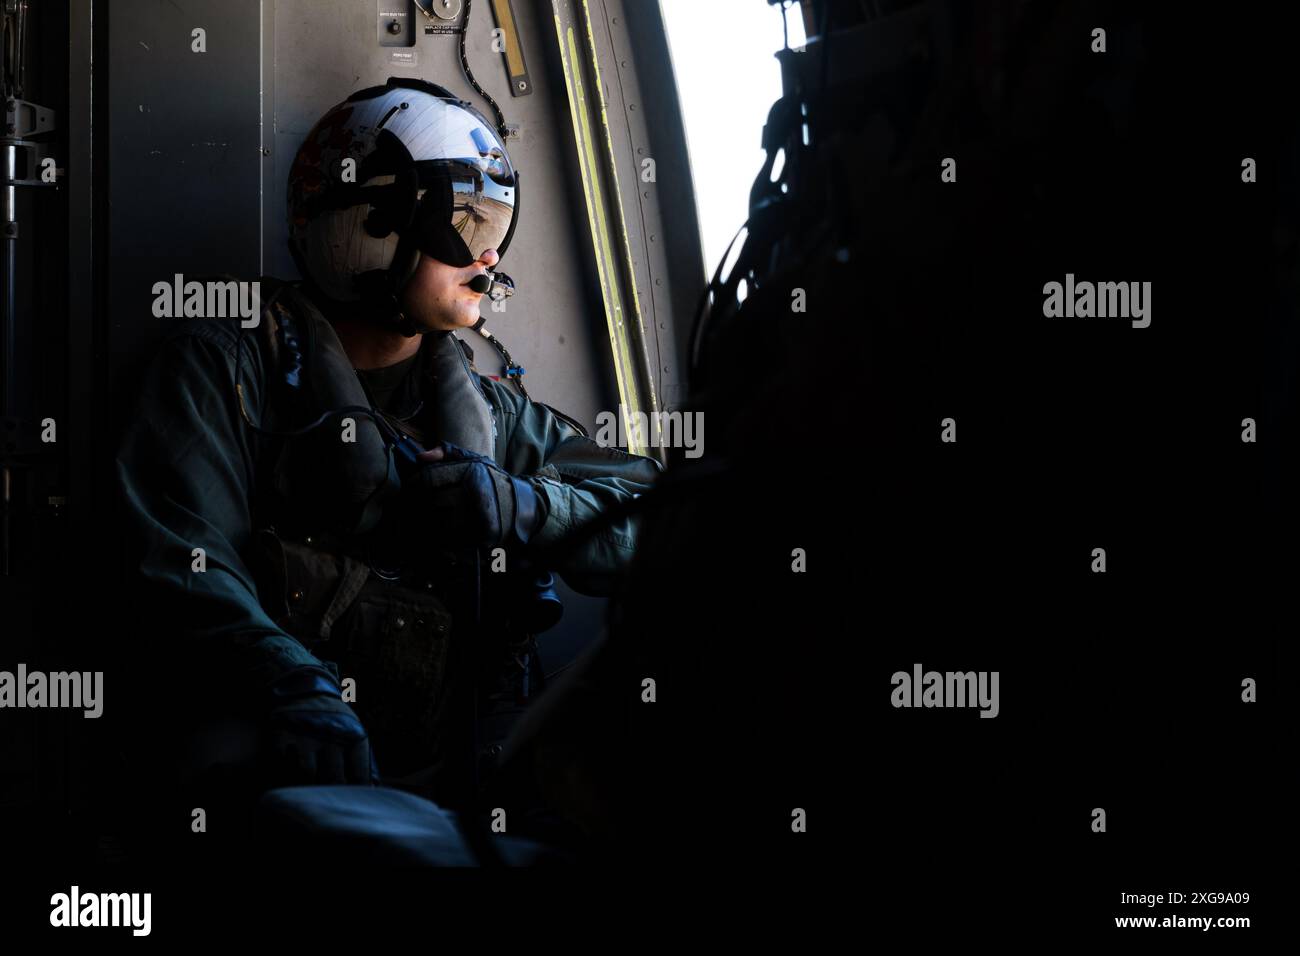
(394, 609)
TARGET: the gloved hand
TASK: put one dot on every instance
(470, 498)
(313, 736)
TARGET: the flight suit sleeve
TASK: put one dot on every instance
(185, 475)
(579, 481)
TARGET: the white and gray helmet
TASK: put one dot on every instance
(429, 174)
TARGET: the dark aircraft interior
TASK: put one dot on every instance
(974, 590)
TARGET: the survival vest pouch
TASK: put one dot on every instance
(388, 630)
(392, 637)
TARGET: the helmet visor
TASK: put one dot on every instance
(467, 205)
(481, 214)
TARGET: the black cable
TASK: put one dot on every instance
(518, 378)
(469, 74)
(697, 323)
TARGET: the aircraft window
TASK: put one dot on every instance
(724, 109)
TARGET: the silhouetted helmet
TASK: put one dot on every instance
(430, 174)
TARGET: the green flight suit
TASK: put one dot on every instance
(191, 472)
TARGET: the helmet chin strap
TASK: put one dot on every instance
(398, 318)
(377, 307)
(406, 326)
(381, 295)
(397, 321)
